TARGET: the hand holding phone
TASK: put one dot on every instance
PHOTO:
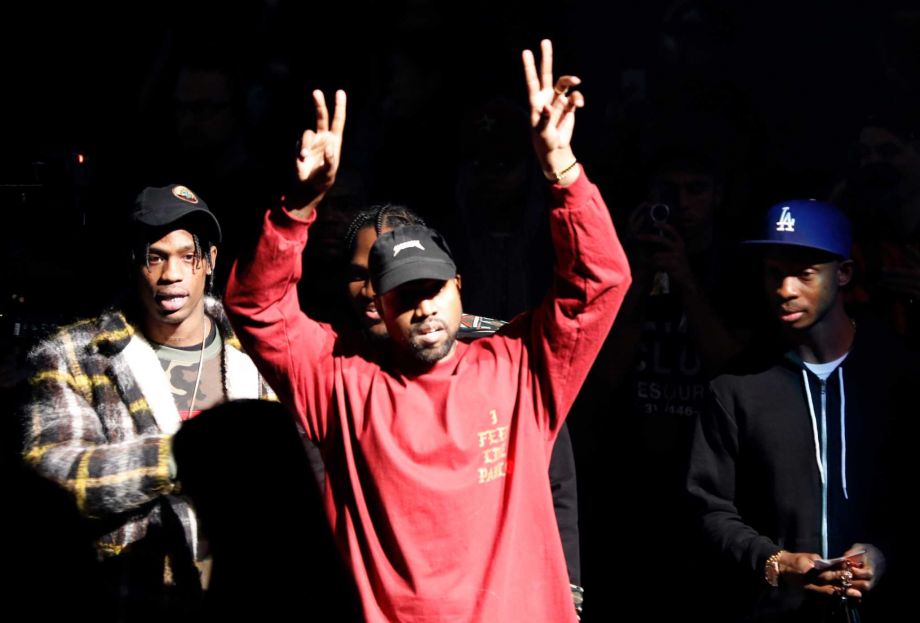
(826, 563)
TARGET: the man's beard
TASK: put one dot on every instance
(428, 355)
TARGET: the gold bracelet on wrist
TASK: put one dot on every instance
(771, 569)
(558, 176)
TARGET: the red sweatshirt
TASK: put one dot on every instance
(436, 483)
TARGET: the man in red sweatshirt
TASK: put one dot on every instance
(437, 450)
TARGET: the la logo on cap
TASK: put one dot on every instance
(785, 222)
(183, 193)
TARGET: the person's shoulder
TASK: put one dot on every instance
(214, 308)
(751, 370)
(93, 333)
(483, 333)
(473, 327)
(81, 345)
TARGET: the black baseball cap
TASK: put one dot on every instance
(159, 208)
(408, 253)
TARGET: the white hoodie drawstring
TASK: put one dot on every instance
(820, 448)
(843, 434)
(814, 427)
(820, 457)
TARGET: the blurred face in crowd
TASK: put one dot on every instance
(205, 119)
(878, 144)
(695, 196)
(360, 290)
(886, 183)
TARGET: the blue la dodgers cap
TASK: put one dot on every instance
(809, 224)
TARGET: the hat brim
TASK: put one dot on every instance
(413, 270)
(798, 245)
(196, 220)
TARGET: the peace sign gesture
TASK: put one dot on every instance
(552, 111)
(320, 153)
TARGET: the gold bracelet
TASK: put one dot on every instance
(558, 176)
(771, 569)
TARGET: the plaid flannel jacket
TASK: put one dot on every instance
(101, 417)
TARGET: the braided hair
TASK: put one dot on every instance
(379, 216)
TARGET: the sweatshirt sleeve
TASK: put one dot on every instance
(590, 280)
(293, 352)
(711, 485)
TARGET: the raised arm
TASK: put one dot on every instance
(591, 272)
(293, 352)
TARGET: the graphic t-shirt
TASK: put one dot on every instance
(181, 367)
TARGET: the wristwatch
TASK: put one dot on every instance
(771, 569)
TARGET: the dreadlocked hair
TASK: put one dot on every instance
(379, 216)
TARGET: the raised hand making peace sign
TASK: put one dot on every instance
(319, 156)
(552, 115)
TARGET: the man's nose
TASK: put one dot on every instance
(367, 290)
(788, 287)
(172, 270)
(426, 307)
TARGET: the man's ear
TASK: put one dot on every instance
(845, 272)
(459, 283)
(213, 259)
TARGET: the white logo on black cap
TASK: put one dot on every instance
(785, 222)
(406, 245)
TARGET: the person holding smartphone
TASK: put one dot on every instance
(796, 459)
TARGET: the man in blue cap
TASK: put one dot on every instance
(791, 464)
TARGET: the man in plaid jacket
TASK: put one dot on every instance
(109, 393)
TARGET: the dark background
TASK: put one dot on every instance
(776, 91)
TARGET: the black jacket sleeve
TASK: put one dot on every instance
(711, 484)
